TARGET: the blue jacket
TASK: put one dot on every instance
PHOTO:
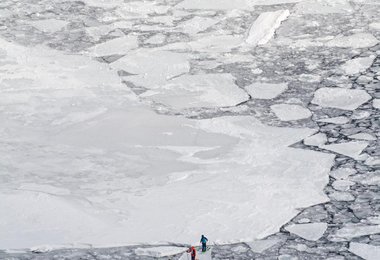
(204, 240)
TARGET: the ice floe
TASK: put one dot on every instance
(365, 251)
(346, 99)
(363, 136)
(160, 251)
(264, 27)
(197, 24)
(323, 7)
(339, 120)
(263, 90)
(376, 103)
(152, 67)
(357, 65)
(358, 40)
(375, 26)
(156, 39)
(204, 90)
(356, 230)
(316, 140)
(342, 173)
(124, 167)
(49, 25)
(350, 149)
(310, 231)
(216, 4)
(287, 112)
(259, 246)
(117, 46)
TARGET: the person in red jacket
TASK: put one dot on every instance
(193, 252)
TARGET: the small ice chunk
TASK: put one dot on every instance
(205, 90)
(339, 120)
(264, 27)
(266, 90)
(197, 24)
(49, 25)
(376, 103)
(259, 246)
(323, 7)
(342, 173)
(358, 40)
(357, 65)
(365, 251)
(310, 231)
(350, 149)
(363, 136)
(118, 46)
(286, 112)
(341, 196)
(342, 185)
(316, 140)
(161, 251)
(346, 99)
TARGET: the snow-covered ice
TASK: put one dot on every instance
(152, 67)
(117, 46)
(351, 149)
(160, 251)
(49, 25)
(376, 103)
(365, 251)
(363, 136)
(216, 4)
(92, 182)
(264, 27)
(342, 173)
(288, 112)
(339, 120)
(316, 140)
(205, 90)
(309, 231)
(357, 65)
(323, 7)
(358, 40)
(261, 90)
(259, 246)
(197, 24)
(356, 230)
(347, 99)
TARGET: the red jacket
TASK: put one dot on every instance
(192, 251)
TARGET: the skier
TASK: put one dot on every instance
(193, 252)
(204, 241)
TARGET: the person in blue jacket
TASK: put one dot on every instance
(204, 241)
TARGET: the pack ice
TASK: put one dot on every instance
(84, 161)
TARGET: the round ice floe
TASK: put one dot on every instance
(346, 99)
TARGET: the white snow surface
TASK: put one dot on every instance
(264, 27)
(261, 90)
(346, 99)
(288, 112)
(358, 40)
(309, 231)
(316, 140)
(376, 103)
(89, 166)
(339, 120)
(365, 251)
(357, 65)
